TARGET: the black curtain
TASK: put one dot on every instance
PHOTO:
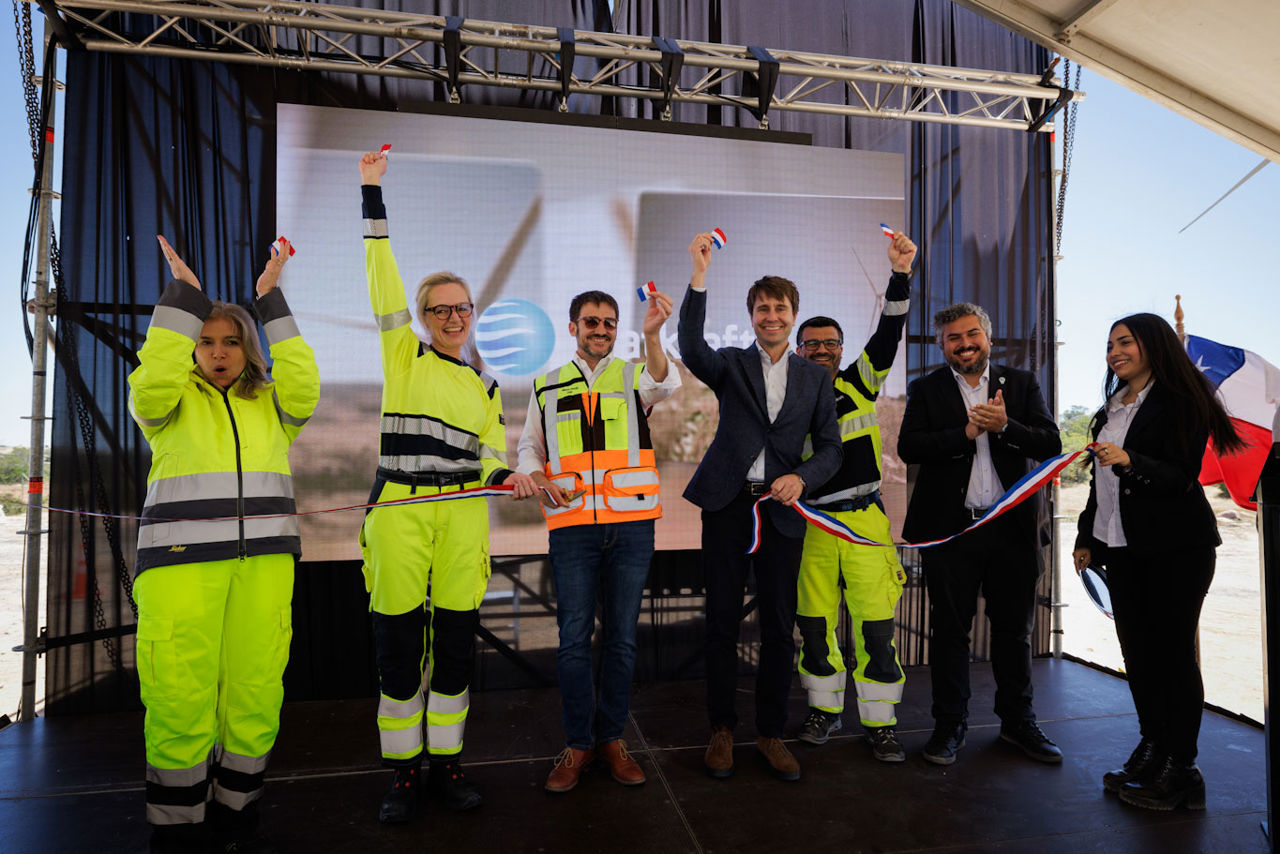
(188, 150)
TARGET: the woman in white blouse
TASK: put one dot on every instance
(1148, 522)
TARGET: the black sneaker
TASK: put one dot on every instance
(941, 747)
(885, 745)
(446, 781)
(400, 801)
(818, 726)
(1028, 737)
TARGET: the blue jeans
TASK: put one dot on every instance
(612, 562)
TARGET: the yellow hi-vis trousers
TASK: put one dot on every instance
(213, 641)
(440, 548)
(872, 578)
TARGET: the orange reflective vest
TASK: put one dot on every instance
(598, 443)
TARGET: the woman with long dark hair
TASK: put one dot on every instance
(1148, 522)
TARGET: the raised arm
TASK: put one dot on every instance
(705, 364)
(386, 288)
(294, 373)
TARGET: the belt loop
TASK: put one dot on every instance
(413, 483)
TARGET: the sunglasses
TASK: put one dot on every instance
(610, 323)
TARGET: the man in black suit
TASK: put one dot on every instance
(974, 429)
(770, 400)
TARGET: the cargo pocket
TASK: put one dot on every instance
(631, 489)
(156, 656)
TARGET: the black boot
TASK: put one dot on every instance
(1167, 786)
(1145, 756)
(447, 782)
(179, 839)
(400, 801)
(237, 831)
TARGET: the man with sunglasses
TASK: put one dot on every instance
(586, 441)
(770, 400)
(870, 577)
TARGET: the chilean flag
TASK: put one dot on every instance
(1248, 386)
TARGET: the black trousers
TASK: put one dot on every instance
(726, 535)
(995, 561)
(1156, 598)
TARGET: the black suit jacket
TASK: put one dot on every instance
(1162, 505)
(932, 435)
(737, 378)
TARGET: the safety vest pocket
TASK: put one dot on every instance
(630, 489)
(571, 481)
(612, 408)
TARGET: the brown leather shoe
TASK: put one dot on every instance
(625, 770)
(719, 757)
(569, 767)
(783, 765)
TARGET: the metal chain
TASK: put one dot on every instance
(1068, 145)
(27, 70)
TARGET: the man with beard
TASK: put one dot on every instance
(870, 577)
(974, 429)
(586, 441)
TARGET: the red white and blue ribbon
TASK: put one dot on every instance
(1018, 493)
(646, 290)
(718, 238)
(383, 151)
(275, 250)
(886, 230)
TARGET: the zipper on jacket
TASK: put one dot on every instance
(235, 434)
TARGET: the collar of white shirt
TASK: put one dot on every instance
(963, 380)
(1114, 403)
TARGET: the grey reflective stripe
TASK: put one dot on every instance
(286, 418)
(492, 453)
(443, 704)
(148, 422)
(389, 707)
(856, 424)
(446, 738)
(408, 425)
(177, 320)
(233, 799)
(168, 814)
(878, 714)
(846, 494)
(827, 699)
(633, 418)
(893, 308)
(428, 462)
(394, 320)
(375, 228)
(178, 778)
(879, 692)
(221, 484)
(400, 726)
(281, 329)
(243, 764)
(199, 531)
(550, 415)
(871, 378)
(832, 683)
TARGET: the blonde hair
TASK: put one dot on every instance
(444, 277)
(254, 376)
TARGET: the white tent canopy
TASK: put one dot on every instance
(1214, 62)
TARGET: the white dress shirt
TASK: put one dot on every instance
(532, 450)
(1107, 526)
(775, 392)
(985, 488)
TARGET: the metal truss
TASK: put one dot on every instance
(458, 52)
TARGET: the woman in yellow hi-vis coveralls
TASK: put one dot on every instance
(442, 431)
(214, 596)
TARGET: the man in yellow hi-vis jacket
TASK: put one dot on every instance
(441, 431)
(214, 596)
(586, 439)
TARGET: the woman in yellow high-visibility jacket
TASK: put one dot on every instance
(441, 431)
(214, 596)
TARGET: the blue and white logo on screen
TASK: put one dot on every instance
(515, 337)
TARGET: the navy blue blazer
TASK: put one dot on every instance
(737, 378)
(932, 436)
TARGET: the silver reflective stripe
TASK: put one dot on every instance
(195, 532)
(877, 714)
(492, 453)
(408, 425)
(286, 418)
(832, 683)
(849, 426)
(233, 799)
(443, 704)
(633, 418)
(586, 502)
(375, 228)
(148, 422)
(281, 329)
(243, 764)
(400, 726)
(169, 814)
(446, 738)
(827, 699)
(177, 320)
(893, 308)
(871, 378)
(428, 462)
(883, 692)
(178, 778)
(847, 494)
(197, 487)
(550, 416)
(391, 708)
(394, 320)
(400, 742)
(629, 479)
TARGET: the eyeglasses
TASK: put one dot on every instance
(812, 344)
(442, 312)
(610, 323)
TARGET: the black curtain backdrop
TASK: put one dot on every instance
(188, 150)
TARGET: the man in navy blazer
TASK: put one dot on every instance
(974, 428)
(770, 400)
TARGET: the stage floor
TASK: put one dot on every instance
(70, 785)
